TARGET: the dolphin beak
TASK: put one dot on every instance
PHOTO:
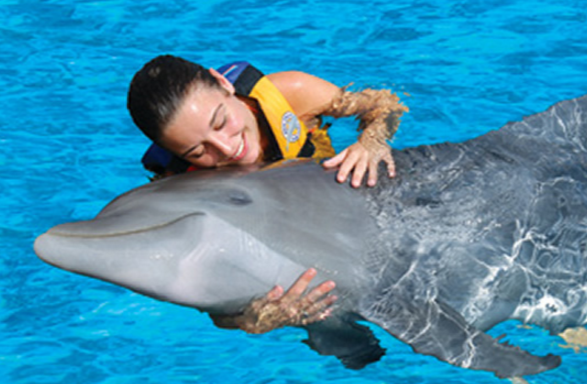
(141, 258)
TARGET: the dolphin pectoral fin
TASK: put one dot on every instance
(434, 328)
(353, 344)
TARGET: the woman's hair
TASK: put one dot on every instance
(158, 89)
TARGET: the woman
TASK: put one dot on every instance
(199, 118)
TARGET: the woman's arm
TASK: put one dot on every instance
(378, 111)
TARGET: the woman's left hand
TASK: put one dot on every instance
(361, 157)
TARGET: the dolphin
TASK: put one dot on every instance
(467, 235)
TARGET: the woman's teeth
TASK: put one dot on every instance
(239, 150)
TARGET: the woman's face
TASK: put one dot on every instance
(213, 128)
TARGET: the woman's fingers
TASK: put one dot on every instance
(320, 291)
(348, 165)
(359, 161)
(315, 316)
(360, 167)
(372, 180)
(388, 158)
(299, 286)
(295, 307)
(336, 160)
(302, 307)
(316, 304)
(275, 294)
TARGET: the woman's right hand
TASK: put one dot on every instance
(292, 308)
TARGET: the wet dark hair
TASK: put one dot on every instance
(158, 89)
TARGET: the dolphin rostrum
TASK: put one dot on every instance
(466, 236)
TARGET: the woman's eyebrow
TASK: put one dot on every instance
(213, 118)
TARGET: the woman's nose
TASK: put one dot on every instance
(222, 142)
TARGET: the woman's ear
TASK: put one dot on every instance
(222, 80)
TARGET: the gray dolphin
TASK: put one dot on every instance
(466, 236)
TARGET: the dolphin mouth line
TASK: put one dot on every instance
(55, 232)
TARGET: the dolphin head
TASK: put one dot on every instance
(214, 240)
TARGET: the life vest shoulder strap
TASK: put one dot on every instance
(288, 132)
(242, 75)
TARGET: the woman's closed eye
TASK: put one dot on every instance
(222, 123)
(197, 152)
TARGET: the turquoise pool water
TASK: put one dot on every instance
(67, 147)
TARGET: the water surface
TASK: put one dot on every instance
(67, 147)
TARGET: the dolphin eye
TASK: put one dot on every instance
(239, 198)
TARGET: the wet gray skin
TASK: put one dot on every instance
(466, 236)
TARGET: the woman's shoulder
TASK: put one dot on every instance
(304, 92)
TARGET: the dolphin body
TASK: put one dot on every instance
(466, 236)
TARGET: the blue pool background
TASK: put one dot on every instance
(67, 147)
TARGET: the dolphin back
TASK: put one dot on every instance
(479, 232)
